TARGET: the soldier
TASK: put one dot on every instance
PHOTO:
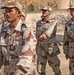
(18, 43)
(68, 45)
(23, 16)
(47, 48)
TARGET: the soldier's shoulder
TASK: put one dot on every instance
(28, 29)
(68, 23)
(38, 22)
(6, 28)
(5, 23)
(53, 22)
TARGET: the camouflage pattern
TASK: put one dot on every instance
(5, 23)
(18, 48)
(71, 66)
(47, 49)
(68, 45)
(69, 39)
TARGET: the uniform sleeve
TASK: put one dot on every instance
(50, 30)
(27, 59)
(29, 42)
(66, 41)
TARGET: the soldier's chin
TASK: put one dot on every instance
(10, 20)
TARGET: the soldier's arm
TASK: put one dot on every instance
(29, 42)
(28, 52)
(66, 42)
(50, 30)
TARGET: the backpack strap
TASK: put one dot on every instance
(23, 26)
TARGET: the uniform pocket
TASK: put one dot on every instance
(50, 48)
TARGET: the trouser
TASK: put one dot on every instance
(53, 61)
(11, 67)
(71, 66)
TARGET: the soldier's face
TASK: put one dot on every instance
(12, 14)
(46, 13)
(72, 12)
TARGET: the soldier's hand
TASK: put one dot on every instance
(43, 36)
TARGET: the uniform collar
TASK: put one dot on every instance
(18, 26)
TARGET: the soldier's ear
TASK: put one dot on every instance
(19, 13)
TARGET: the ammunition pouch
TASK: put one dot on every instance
(53, 49)
(50, 48)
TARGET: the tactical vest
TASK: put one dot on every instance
(42, 27)
(70, 29)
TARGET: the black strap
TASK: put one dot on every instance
(23, 26)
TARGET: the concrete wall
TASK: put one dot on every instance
(63, 4)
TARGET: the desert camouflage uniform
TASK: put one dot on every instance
(4, 24)
(1, 60)
(68, 45)
(44, 49)
(18, 47)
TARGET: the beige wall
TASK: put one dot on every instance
(63, 4)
